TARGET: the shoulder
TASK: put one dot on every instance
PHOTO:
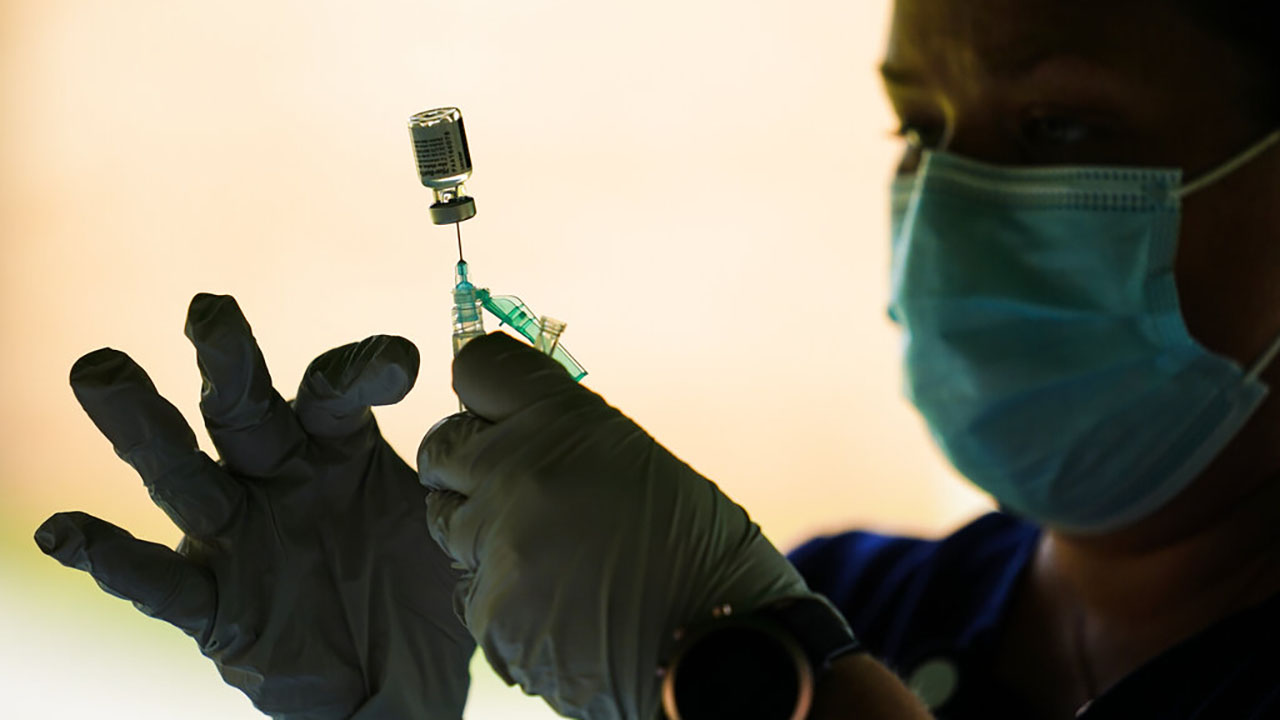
(937, 605)
(908, 597)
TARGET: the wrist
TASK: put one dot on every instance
(859, 686)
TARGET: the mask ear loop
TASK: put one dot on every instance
(1263, 362)
(1269, 355)
(1229, 166)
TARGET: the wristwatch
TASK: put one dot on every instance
(761, 665)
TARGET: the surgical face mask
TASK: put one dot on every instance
(1043, 342)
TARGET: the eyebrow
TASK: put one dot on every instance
(1009, 66)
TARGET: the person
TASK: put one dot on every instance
(1086, 268)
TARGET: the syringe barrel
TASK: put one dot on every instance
(468, 323)
(460, 340)
(466, 312)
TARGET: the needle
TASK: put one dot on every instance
(458, 226)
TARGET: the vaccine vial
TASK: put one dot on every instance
(444, 162)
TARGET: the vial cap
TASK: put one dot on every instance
(456, 210)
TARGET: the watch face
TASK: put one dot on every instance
(738, 669)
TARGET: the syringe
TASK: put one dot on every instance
(468, 324)
(511, 311)
(444, 164)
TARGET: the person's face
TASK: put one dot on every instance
(1115, 82)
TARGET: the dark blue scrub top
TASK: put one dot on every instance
(931, 610)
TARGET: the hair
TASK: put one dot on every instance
(1253, 27)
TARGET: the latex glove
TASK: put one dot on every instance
(306, 572)
(586, 543)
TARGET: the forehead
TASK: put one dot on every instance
(981, 32)
(969, 39)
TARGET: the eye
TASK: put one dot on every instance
(1050, 129)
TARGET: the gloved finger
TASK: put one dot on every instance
(339, 386)
(446, 455)
(456, 539)
(250, 424)
(157, 580)
(152, 436)
(496, 376)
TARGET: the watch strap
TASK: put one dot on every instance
(817, 626)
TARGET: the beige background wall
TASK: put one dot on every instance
(697, 188)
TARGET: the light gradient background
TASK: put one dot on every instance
(698, 188)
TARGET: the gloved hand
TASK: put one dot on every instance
(586, 543)
(306, 572)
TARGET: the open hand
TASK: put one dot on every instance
(306, 572)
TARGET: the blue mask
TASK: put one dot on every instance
(1043, 342)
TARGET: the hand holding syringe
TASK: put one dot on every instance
(444, 164)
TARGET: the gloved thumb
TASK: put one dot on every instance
(496, 376)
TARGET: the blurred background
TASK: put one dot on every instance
(698, 189)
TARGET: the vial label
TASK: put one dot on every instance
(441, 152)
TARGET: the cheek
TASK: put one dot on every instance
(1228, 266)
